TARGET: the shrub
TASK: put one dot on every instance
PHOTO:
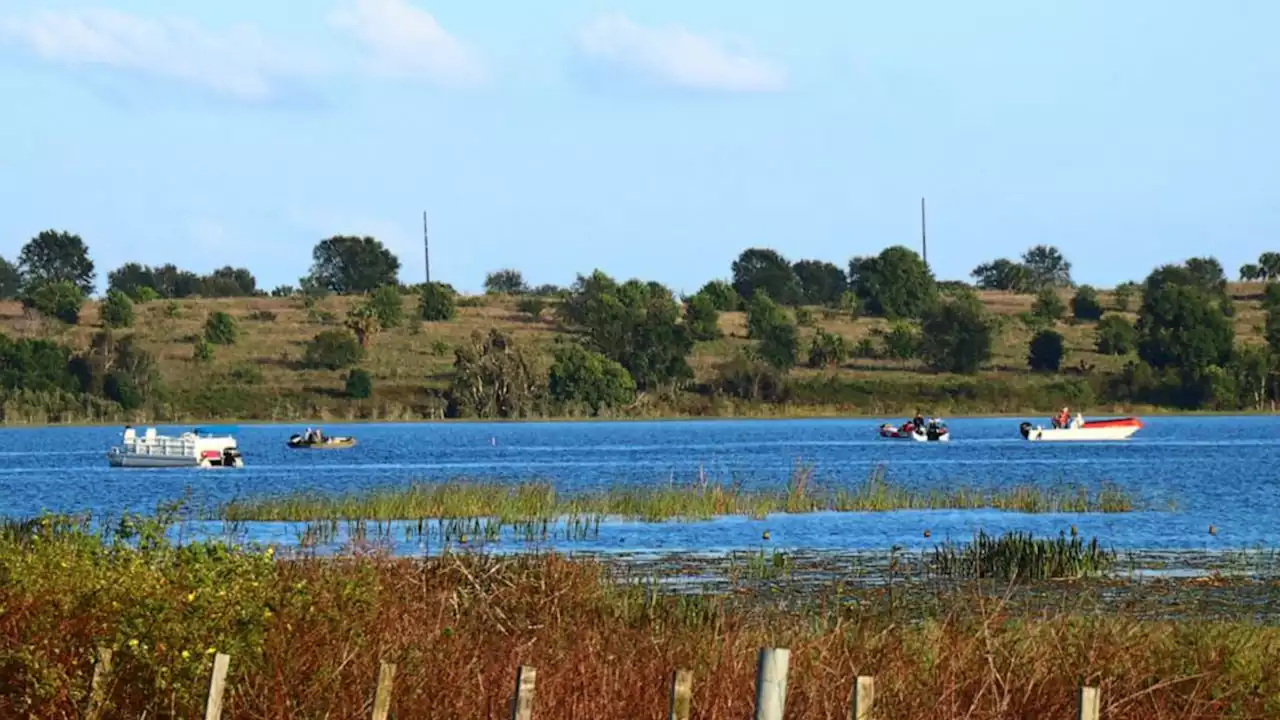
(284, 291)
(246, 374)
(117, 310)
(532, 306)
(61, 300)
(359, 385)
(437, 303)
(1048, 305)
(804, 317)
(1086, 305)
(865, 348)
(262, 316)
(1122, 295)
(583, 376)
(827, 350)
(221, 329)
(387, 305)
(1116, 336)
(902, 342)
(203, 351)
(147, 293)
(332, 350)
(956, 336)
(1046, 351)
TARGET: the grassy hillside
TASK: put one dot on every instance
(260, 377)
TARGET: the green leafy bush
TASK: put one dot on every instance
(332, 350)
(117, 310)
(437, 303)
(359, 385)
(221, 329)
(61, 300)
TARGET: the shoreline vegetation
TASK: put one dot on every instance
(1011, 628)
(881, 338)
(533, 502)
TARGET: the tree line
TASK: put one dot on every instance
(632, 338)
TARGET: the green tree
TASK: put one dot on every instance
(203, 351)
(701, 318)
(437, 303)
(54, 257)
(827, 350)
(505, 282)
(221, 329)
(779, 345)
(722, 295)
(762, 269)
(35, 365)
(1085, 305)
(747, 377)
(1116, 336)
(173, 282)
(635, 324)
(1046, 267)
(229, 282)
(821, 283)
(957, 336)
(332, 350)
(579, 375)
(130, 279)
(1046, 351)
(1181, 324)
(495, 378)
(1048, 305)
(1270, 262)
(61, 299)
(1249, 272)
(117, 310)
(763, 313)
(10, 280)
(359, 386)
(1002, 274)
(387, 305)
(349, 265)
(895, 284)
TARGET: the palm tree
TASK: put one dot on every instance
(1249, 272)
(1270, 262)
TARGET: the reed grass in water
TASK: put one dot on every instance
(1021, 557)
(538, 501)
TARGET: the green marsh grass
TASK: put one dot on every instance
(1022, 557)
(528, 502)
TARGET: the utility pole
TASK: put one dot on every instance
(426, 245)
(924, 238)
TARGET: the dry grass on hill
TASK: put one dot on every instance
(405, 361)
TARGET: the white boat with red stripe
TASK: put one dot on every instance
(1079, 430)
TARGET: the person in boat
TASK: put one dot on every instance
(917, 422)
(1063, 420)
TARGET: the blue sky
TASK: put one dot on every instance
(648, 138)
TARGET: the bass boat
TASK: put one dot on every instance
(302, 441)
(1079, 430)
(199, 448)
(933, 431)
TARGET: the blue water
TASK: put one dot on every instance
(1215, 470)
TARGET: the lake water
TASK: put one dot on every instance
(1223, 471)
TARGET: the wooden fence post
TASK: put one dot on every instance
(1090, 703)
(681, 695)
(98, 685)
(217, 684)
(382, 696)
(522, 703)
(771, 683)
(864, 697)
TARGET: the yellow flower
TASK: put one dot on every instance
(271, 551)
(133, 643)
(191, 596)
(185, 654)
(211, 651)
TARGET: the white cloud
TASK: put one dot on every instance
(237, 63)
(677, 57)
(404, 41)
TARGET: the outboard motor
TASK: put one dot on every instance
(1025, 429)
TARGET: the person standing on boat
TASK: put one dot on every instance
(1064, 418)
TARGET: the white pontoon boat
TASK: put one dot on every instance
(199, 448)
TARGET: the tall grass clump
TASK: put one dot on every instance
(1022, 557)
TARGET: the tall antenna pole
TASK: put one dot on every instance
(924, 238)
(426, 245)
